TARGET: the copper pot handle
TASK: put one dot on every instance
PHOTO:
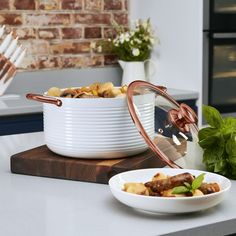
(44, 99)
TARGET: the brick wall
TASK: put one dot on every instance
(57, 33)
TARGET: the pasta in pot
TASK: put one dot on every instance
(95, 90)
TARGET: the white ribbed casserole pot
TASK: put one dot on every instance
(95, 127)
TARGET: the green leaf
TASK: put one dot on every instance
(210, 167)
(231, 145)
(231, 150)
(229, 122)
(212, 116)
(207, 132)
(233, 172)
(209, 157)
(187, 185)
(232, 160)
(214, 153)
(180, 190)
(198, 181)
(220, 166)
(228, 128)
(208, 142)
(208, 137)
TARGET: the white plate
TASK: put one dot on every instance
(165, 204)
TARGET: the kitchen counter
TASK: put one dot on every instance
(17, 104)
(46, 207)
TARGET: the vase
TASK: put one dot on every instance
(136, 70)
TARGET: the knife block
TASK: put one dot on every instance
(7, 72)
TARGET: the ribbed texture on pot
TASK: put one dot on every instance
(102, 129)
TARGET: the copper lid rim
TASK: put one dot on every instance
(138, 124)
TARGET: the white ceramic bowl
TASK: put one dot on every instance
(98, 127)
(167, 204)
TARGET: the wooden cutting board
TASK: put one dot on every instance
(40, 161)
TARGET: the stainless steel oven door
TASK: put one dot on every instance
(222, 15)
(221, 81)
(225, 6)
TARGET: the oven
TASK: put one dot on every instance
(219, 55)
(222, 15)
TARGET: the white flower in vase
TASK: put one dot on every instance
(135, 52)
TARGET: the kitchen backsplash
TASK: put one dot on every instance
(58, 33)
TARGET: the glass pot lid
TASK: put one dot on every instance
(169, 129)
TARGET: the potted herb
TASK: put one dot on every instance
(219, 143)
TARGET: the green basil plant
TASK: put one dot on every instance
(219, 143)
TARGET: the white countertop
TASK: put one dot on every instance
(17, 104)
(36, 206)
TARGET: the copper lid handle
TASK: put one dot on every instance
(188, 113)
(182, 117)
(44, 99)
